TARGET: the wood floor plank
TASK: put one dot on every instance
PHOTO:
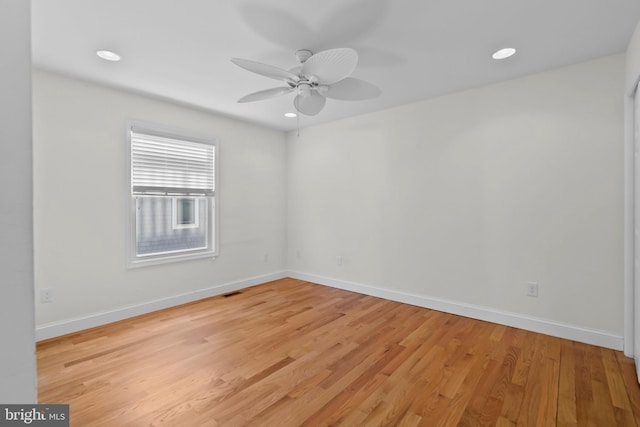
(566, 388)
(629, 377)
(292, 353)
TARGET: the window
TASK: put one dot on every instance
(172, 193)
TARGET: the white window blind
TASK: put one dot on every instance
(161, 164)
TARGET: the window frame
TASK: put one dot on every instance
(133, 260)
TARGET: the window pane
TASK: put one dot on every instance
(156, 231)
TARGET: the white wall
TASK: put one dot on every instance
(81, 195)
(631, 298)
(467, 197)
(17, 356)
(633, 61)
(461, 199)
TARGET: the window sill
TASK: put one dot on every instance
(145, 262)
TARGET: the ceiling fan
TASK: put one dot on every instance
(320, 76)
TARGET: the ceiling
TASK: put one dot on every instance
(412, 50)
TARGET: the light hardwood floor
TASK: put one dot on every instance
(291, 353)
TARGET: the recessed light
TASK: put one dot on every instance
(290, 115)
(108, 55)
(503, 53)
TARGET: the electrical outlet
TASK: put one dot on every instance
(266, 257)
(339, 260)
(46, 296)
(532, 289)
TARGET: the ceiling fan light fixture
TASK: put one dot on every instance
(304, 90)
(108, 55)
(503, 53)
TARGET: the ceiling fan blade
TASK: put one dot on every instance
(265, 70)
(309, 105)
(331, 66)
(266, 94)
(352, 89)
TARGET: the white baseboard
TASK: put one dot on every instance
(55, 329)
(557, 329)
(547, 327)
